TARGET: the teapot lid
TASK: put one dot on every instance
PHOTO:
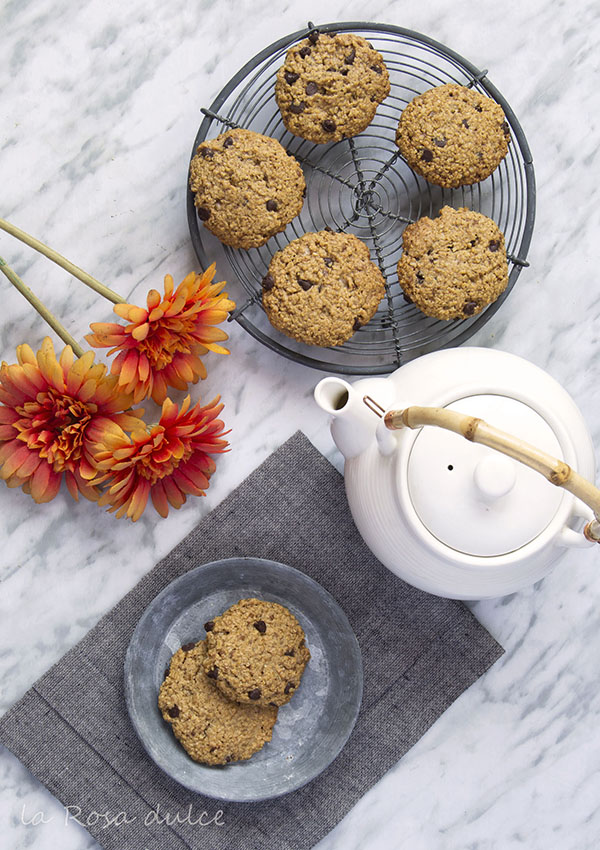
(474, 499)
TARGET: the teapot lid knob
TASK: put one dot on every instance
(495, 476)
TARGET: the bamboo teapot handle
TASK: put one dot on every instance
(478, 431)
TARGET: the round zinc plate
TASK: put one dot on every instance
(310, 730)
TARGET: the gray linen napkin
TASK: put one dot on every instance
(72, 731)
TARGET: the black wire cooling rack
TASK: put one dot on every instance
(363, 186)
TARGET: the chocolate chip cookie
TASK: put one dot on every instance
(453, 136)
(256, 653)
(330, 86)
(322, 287)
(454, 265)
(246, 187)
(210, 727)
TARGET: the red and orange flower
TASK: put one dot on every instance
(162, 344)
(47, 410)
(167, 461)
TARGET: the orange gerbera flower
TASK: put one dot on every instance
(46, 409)
(161, 345)
(167, 461)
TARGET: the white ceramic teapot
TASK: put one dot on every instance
(461, 518)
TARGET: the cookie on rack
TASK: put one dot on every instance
(246, 187)
(322, 287)
(454, 265)
(211, 728)
(330, 86)
(256, 653)
(453, 136)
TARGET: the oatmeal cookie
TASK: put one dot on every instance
(453, 136)
(330, 86)
(322, 287)
(256, 653)
(454, 265)
(246, 187)
(210, 727)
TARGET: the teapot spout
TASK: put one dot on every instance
(354, 425)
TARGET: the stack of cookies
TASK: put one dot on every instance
(221, 695)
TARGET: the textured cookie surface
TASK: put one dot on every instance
(210, 727)
(453, 136)
(454, 265)
(246, 187)
(322, 287)
(256, 653)
(329, 86)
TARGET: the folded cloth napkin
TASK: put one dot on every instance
(72, 730)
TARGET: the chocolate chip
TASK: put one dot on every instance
(465, 123)
(420, 277)
(304, 192)
(305, 284)
(272, 206)
(344, 72)
(474, 242)
(304, 51)
(406, 298)
(349, 59)
(372, 98)
(297, 108)
(328, 125)
(228, 759)
(188, 646)
(274, 704)
(213, 673)
(506, 128)
(206, 153)
(440, 143)
(290, 77)
(427, 155)
(290, 653)
(254, 693)
(328, 229)
(328, 261)
(209, 626)
(268, 282)
(227, 142)
(289, 687)
(174, 711)
(494, 245)
(166, 673)
(313, 36)
(357, 325)
(478, 108)
(203, 213)
(311, 88)
(260, 626)
(377, 68)
(470, 308)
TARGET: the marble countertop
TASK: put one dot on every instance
(100, 105)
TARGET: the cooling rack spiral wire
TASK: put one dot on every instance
(362, 185)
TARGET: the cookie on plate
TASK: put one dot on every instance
(256, 653)
(454, 265)
(322, 287)
(330, 86)
(210, 727)
(246, 187)
(453, 136)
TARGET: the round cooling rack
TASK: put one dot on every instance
(363, 186)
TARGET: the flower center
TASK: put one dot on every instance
(163, 343)
(54, 426)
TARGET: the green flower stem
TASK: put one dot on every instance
(57, 258)
(42, 310)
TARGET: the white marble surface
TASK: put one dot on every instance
(100, 104)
